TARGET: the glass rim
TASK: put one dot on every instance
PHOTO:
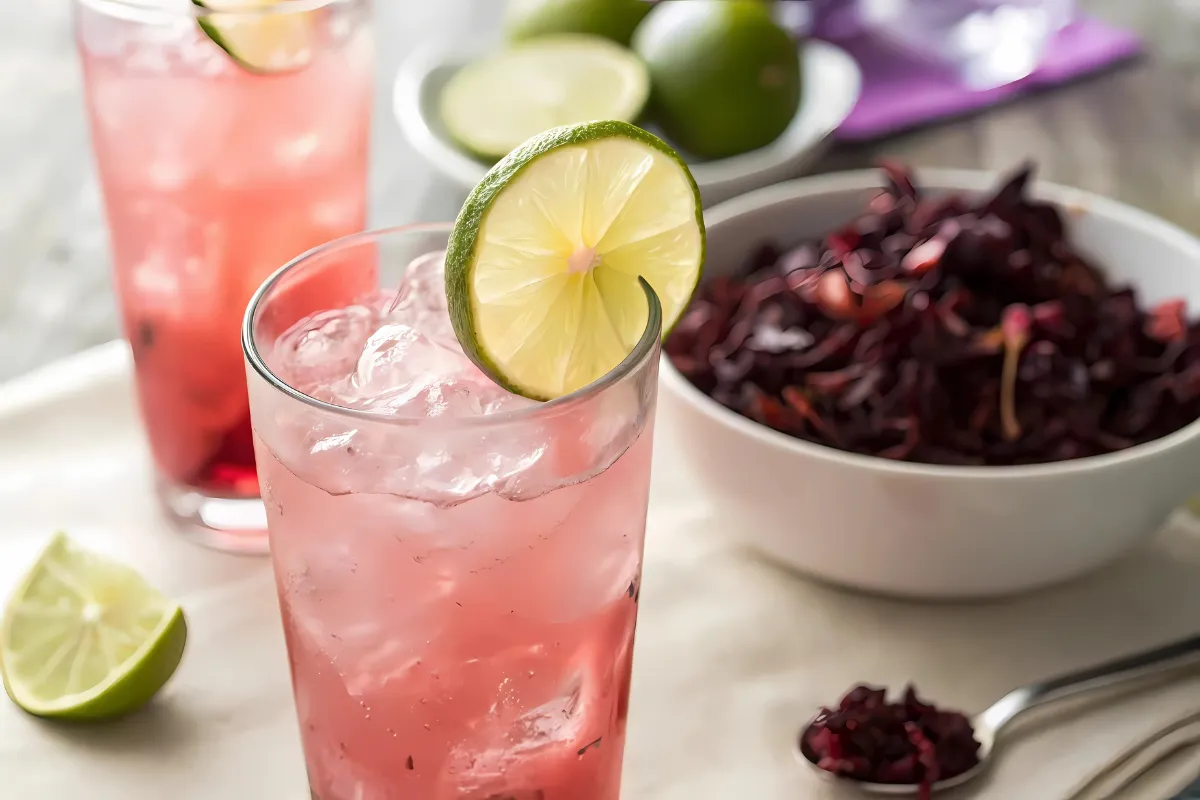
(643, 350)
(154, 11)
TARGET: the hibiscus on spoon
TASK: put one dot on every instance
(913, 747)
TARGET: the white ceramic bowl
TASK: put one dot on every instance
(832, 83)
(934, 531)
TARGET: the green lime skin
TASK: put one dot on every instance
(726, 77)
(612, 19)
(460, 251)
(131, 691)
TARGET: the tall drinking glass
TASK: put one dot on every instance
(457, 567)
(214, 173)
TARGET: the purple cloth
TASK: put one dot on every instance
(900, 92)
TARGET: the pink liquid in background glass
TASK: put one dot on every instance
(213, 178)
(466, 645)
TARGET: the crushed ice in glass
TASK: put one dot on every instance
(397, 356)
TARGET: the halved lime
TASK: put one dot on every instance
(727, 77)
(493, 105)
(260, 35)
(87, 638)
(612, 19)
(543, 265)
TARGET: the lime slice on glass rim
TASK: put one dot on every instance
(547, 260)
(263, 36)
(492, 105)
(86, 638)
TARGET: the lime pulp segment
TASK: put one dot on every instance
(493, 105)
(87, 638)
(260, 35)
(544, 262)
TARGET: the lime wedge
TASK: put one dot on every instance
(260, 35)
(544, 262)
(86, 638)
(493, 105)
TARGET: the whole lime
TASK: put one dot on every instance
(612, 19)
(725, 77)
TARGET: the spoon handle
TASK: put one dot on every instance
(1140, 665)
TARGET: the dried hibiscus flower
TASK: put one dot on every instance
(943, 330)
(910, 742)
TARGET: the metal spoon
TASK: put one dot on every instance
(992, 722)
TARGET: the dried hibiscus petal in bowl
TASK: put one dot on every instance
(943, 330)
(909, 742)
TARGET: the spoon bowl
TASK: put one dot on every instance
(989, 726)
(985, 737)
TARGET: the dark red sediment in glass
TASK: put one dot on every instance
(943, 330)
(908, 742)
(231, 469)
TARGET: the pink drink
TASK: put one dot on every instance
(213, 177)
(458, 568)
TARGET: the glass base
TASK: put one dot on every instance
(231, 525)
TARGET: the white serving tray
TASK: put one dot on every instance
(733, 653)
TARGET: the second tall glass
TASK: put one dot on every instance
(214, 173)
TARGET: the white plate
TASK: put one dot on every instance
(832, 83)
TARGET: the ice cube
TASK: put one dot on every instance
(337, 211)
(439, 464)
(295, 150)
(199, 53)
(398, 369)
(439, 397)
(515, 748)
(424, 283)
(583, 443)
(499, 401)
(370, 360)
(325, 349)
(421, 300)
